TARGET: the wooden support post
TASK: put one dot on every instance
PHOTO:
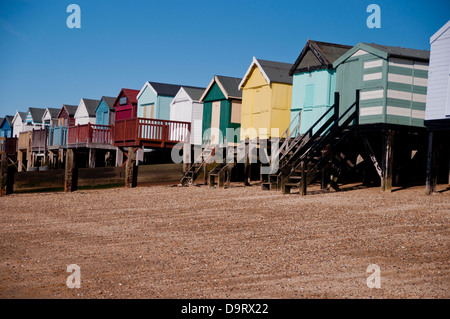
(19, 160)
(29, 160)
(247, 170)
(71, 173)
(303, 182)
(92, 157)
(119, 157)
(325, 177)
(205, 173)
(431, 179)
(131, 169)
(140, 156)
(388, 162)
(186, 157)
(4, 175)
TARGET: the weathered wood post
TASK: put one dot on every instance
(119, 157)
(186, 157)
(130, 169)
(431, 179)
(19, 160)
(388, 162)
(5, 176)
(71, 174)
(303, 182)
(92, 157)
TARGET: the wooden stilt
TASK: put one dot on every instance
(431, 178)
(130, 169)
(247, 170)
(92, 157)
(71, 174)
(20, 160)
(4, 174)
(119, 157)
(303, 182)
(388, 162)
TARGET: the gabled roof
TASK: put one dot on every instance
(36, 114)
(228, 85)
(53, 112)
(317, 56)
(272, 71)
(164, 89)
(8, 119)
(109, 100)
(385, 52)
(441, 31)
(22, 115)
(71, 110)
(130, 94)
(1, 121)
(91, 106)
(194, 93)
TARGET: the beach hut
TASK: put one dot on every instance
(33, 120)
(266, 99)
(314, 83)
(186, 107)
(392, 83)
(222, 107)
(125, 104)
(437, 112)
(105, 111)
(6, 126)
(18, 123)
(86, 112)
(50, 117)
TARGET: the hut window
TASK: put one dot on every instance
(123, 100)
(236, 112)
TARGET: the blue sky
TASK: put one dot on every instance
(123, 43)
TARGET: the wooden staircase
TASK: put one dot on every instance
(203, 159)
(319, 150)
(221, 173)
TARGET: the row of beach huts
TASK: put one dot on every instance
(372, 111)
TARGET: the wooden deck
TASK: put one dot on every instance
(151, 133)
(90, 136)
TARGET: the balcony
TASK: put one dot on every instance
(90, 136)
(150, 133)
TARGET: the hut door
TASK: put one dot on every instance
(352, 78)
(215, 122)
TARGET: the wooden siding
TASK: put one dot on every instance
(438, 98)
(264, 107)
(392, 91)
(215, 94)
(57, 137)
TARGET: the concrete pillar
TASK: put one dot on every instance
(131, 169)
(71, 174)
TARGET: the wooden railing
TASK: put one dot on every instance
(132, 132)
(57, 136)
(90, 133)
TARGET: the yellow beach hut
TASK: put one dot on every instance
(266, 99)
